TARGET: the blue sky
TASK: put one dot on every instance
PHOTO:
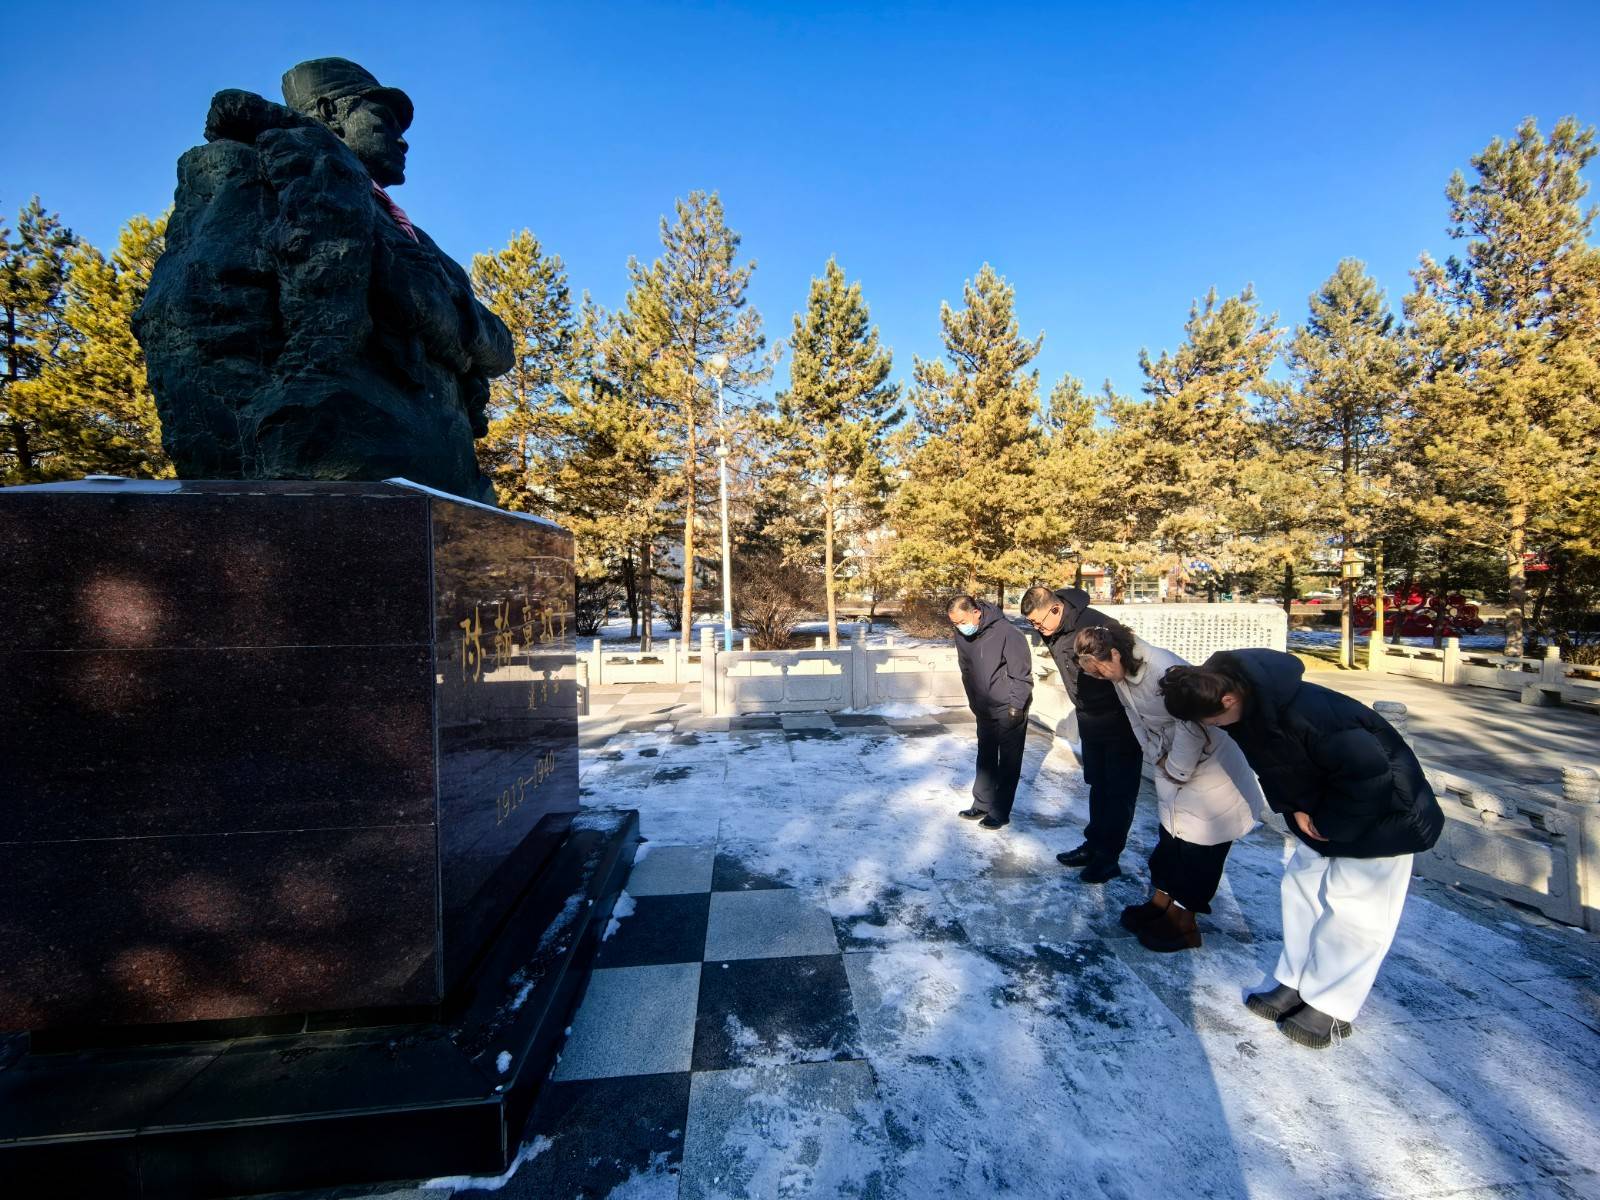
(1113, 161)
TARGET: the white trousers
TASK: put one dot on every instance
(1339, 918)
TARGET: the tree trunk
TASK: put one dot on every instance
(1378, 592)
(1438, 614)
(630, 590)
(647, 617)
(1536, 621)
(1404, 597)
(1347, 648)
(1516, 578)
(827, 566)
(1287, 595)
(691, 467)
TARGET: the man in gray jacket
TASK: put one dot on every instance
(996, 670)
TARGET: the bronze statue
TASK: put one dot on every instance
(298, 325)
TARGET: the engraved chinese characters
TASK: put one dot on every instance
(506, 691)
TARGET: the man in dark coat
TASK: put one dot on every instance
(997, 672)
(1356, 798)
(1113, 764)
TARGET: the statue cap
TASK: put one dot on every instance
(336, 78)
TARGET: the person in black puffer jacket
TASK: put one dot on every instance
(1355, 796)
(997, 673)
(1113, 762)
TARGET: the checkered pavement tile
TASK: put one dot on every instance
(717, 972)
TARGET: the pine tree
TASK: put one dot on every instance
(90, 404)
(971, 454)
(687, 307)
(1072, 480)
(527, 289)
(33, 275)
(1347, 361)
(1184, 449)
(833, 420)
(1506, 340)
(611, 476)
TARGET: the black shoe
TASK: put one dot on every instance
(1081, 857)
(971, 814)
(1312, 1027)
(1276, 1004)
(1099, 872)
(991, 823)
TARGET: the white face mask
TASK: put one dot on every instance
(968, 629)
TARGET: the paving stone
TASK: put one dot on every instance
(705, 724)
(662, 870)
(729, 874)
(661, 929)
(633, 1021)
(604, 1134)
(869, 914)
(772, 1011)
(859, 721)
(806, 721)
(755, 721)
(811, 1109)
(767, 924)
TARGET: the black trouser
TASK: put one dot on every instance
(1113, 769)
(1187, 872)
(1000, 744)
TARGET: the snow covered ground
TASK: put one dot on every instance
(890, 1002)
(1306, 638)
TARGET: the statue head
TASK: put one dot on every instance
(363, 114)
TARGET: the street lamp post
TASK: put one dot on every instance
(718, 366)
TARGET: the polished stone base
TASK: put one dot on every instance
(270, 748)
(321, 1109)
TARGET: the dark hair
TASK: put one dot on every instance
(1195, 693)
(962, 604)
(1098, 641)
(1035, 598)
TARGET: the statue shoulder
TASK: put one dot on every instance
(239, 116)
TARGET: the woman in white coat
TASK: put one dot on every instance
(1208, 797)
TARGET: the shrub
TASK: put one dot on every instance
(771, 596)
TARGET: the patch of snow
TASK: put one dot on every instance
(624, 908)
(899, 710)
(1318, 637)
(657, 1181)
(563, 922)
(491, 1183)
(502, 1061)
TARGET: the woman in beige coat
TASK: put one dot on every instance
(1207, 795)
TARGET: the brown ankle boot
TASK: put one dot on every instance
(1173, 930)
(1137, 916)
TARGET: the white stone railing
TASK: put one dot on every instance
(859, 676)
(1537, 846)
(1541, 681)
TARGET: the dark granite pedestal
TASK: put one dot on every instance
(188, 1120)
(281, 760)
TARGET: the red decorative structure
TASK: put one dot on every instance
(1416, 615)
